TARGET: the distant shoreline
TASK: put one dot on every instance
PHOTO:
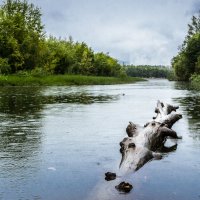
(63, 80)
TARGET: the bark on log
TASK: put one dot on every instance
(143, 143)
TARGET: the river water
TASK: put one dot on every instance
(56, 143)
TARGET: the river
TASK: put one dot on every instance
(56, 143)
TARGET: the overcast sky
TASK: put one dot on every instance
(136, 31)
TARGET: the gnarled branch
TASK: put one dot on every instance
(142, 143)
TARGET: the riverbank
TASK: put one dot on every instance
(195, 81)
(58, 80)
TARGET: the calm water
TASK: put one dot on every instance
(56, 143)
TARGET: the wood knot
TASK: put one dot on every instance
(131, 145)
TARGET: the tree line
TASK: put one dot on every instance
(25, 47)
(147, 71)
(187, 62)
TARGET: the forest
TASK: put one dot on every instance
(26, 49)
(187, 62)
(147, 71)
(24, 46)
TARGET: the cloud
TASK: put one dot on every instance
(137, 31)
(195, 8)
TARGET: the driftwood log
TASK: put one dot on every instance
(166, 114)
(147, 143)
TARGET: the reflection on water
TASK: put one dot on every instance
(21, 134)
(78, 98)
(57, 142)
(191, 105)
(167, 149)
(186, 86)
(20, 137)
(21, 113)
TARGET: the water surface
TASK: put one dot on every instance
(57, 142)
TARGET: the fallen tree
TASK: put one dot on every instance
(146, 143)
(166, 114)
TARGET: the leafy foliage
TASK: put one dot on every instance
(4, 66)
(21, 34)
(65, 56)
(24, 47)
(187, 62)
(147, 71)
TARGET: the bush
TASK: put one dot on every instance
(39, 72)
(4, 66)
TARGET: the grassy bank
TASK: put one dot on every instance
(16, 80)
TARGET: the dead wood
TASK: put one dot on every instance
(143, 143)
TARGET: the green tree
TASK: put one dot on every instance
(106, 65)
(194, 27)
(197, 65)
(23, 46)
(187, 61)
(21, 34)
(4, 66)
(83, 59)
(147, 71)
(59, 55)
(180, 65)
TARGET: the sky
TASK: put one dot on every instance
(133, 31)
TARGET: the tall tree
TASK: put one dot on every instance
(21, 34)
(187, 62)
(193, 28)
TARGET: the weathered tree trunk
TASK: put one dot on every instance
(166, 114)
(146, 143)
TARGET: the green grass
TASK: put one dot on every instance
(58, 80)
